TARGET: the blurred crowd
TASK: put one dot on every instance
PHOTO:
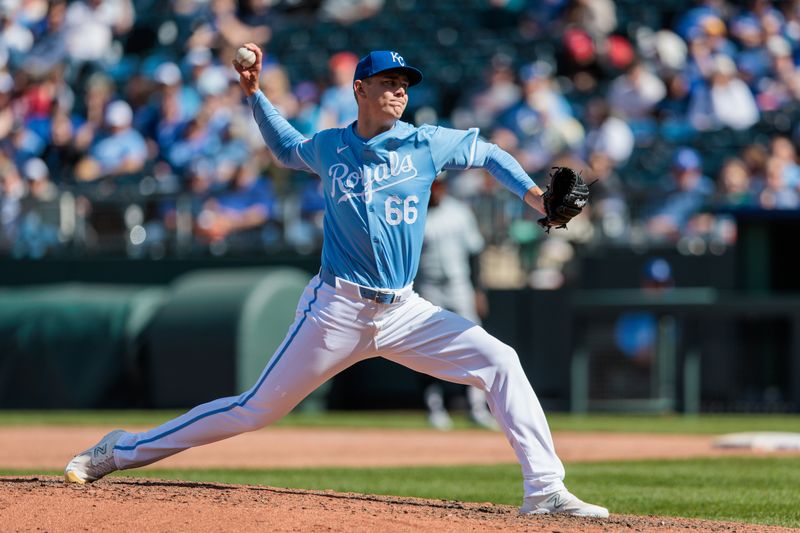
(682, 112)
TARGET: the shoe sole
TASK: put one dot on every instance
(582, 515)
(73, 477)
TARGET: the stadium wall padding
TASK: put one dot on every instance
(216, 332)
(71, 345)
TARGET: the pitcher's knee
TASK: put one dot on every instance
(507, 357)
(252, 418)
(504, 360)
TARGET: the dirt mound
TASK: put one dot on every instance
(116, 504)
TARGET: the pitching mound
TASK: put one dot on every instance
(117, 504)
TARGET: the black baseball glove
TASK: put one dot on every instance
(565, 197)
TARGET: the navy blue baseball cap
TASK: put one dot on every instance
(383, 60)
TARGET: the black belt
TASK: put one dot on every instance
(373, 295)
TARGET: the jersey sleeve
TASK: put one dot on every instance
(453, 149)
(503, 167)
(289, 145)
(307, 152)
(463, 149)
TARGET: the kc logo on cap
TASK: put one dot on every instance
(381, 60)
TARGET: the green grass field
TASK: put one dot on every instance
(756, 490)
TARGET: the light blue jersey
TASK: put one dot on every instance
(376, 190)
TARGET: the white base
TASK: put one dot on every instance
(761, 440)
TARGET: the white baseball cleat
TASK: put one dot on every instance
(94, 463)
(440, 420)
(562, 502)
(484, 419)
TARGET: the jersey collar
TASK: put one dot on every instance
(357, 139)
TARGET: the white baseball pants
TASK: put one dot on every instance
(335, 328)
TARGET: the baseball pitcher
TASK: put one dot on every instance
(377, 175)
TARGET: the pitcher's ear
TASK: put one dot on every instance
(358, 89)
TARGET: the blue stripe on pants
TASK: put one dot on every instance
(243, 401)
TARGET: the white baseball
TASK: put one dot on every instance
(245, 57)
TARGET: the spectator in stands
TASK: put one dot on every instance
(32, 14)
(734, 187)
(542, 121)
(226, 29)
(247, 203)
(99, 93)
(666, 49)
(61, 154)
(91, 26)
(673, 110)
(783, 149)
(349, 11)
(12, 192)
(781, 85)
(308, 112)
(6, 111)
(338, 104)
(276, 86)
(635, 94)
(170, 122)
(171, 105)
(50, 48)
(778, 194)
(723, 66)
(753, 58)
(196, 142)
(14, 37)
(122, 151)
(609, 210)
(598, 17)
(232, 148)
(723, 100)
(791, 26)
(22, 143)
(715, 32)
(755, 158)
(40, 187)
(607, 134)
(38, 99)
(214, 86)
(579, 59)
(688, 192)
(195, 61)
(498, 92)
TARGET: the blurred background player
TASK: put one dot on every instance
(449, 276)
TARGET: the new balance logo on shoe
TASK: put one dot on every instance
(100, 450)
(558, 501)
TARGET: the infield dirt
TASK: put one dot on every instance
(45, 503)
(114, 504)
